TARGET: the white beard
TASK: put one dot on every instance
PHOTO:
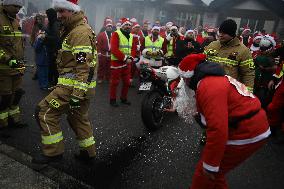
(185, 104)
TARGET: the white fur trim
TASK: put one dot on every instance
(210, 167)
(169, 24)
(174, 28)
(127, 22)
(189, 31)
(253, 48)
(187, 74)
(169, 37)
(257, 37)
(250, 140)
(155, 28)
(64, 4)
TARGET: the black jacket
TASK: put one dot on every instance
(186, 47)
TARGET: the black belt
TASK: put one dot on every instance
(233, 122)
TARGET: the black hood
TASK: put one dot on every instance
(204, 69)
(51, 15)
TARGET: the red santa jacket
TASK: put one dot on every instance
(140, 40)
(103, 44)
(250, 40)
(200, 39)
(114, 44)
(221, 99)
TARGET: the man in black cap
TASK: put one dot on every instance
(232, 54)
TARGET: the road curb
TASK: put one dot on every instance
(64, 180)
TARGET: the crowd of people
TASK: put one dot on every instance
(237, 79)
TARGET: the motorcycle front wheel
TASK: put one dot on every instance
(151, 110)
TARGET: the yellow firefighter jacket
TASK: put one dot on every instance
(235, 58)
(77, 58)
(11, 43)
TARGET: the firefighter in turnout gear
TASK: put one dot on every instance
(235, 57)
(11, 63)
(76, 64)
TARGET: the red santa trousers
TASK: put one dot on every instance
(115, 76)
(234, 155)
(104, 68)
(275, 110)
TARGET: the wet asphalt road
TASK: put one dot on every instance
(130, 157)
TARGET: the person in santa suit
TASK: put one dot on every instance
(275, 110)
(236, 125)
(200, 37)
(153, 49)
(172, 39)
(103, 46)
(145, 29)
(164, 32)
(264, 69)
(245, 38)
(254, 48)
(123, 50)
(137, 33)
(106, 20)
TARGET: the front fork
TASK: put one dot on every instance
(167, 104)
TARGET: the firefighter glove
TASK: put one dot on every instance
(74, 103)
(13, 63)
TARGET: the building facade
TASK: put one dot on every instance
(257, 14)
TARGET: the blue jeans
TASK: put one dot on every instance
(42, 73)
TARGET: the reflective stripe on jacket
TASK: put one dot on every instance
(11, 43)
(77, 58)
(235, 58)
(153, 46)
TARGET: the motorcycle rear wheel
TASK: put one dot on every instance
(152, 115)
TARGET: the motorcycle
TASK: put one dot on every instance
(162, 85)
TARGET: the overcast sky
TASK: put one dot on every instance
(207, 1)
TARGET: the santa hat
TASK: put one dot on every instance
(133, 20)
(71, 5)
(246, 29)
(146, 22)
(169, 24)
(108, 24)
(257, 37)
(174, 27)
(155, 28)
(189, 31)
(124, 21)
(135, 25)
(107, 20)
(187, 65)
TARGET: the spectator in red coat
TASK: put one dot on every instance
(236, 125)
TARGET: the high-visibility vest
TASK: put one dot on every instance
(170, 48)
(153, 46)
(125, 45)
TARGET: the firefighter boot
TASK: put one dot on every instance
(84, 157)
(43, 159)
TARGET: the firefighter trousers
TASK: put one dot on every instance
(48, 114)
(10, 95)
